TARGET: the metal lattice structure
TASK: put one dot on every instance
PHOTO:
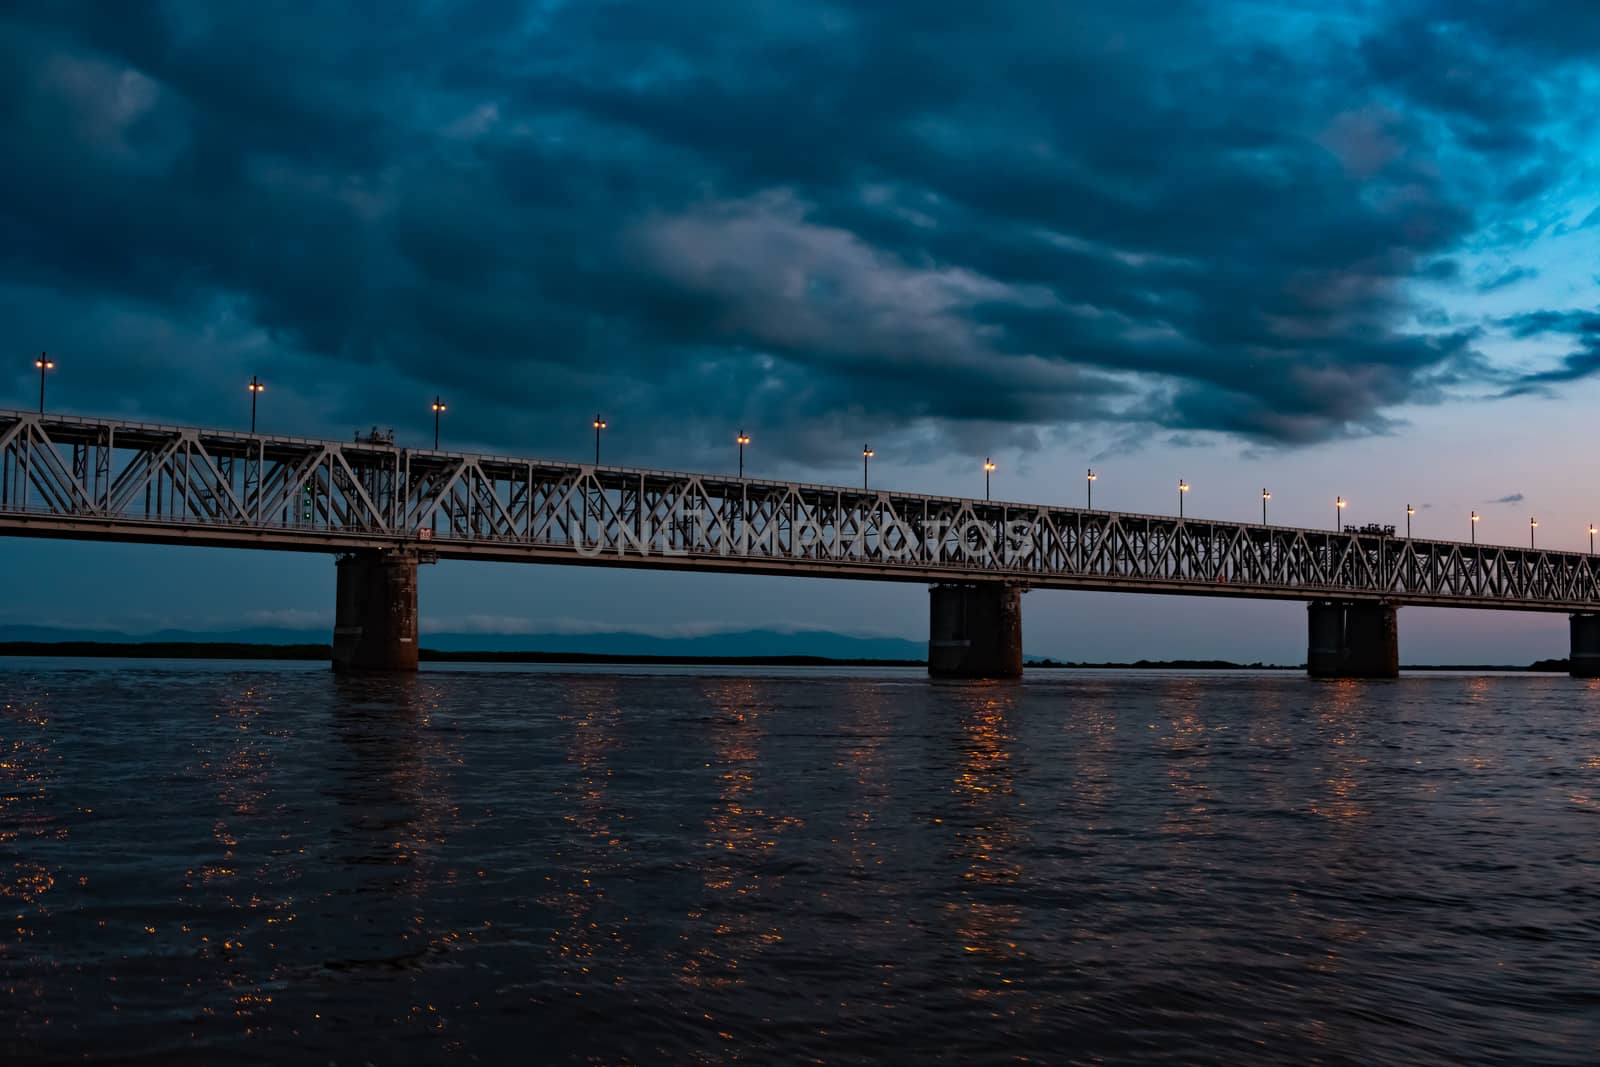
(126, 481)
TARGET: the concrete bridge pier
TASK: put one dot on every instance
(1352, 639)
(975, 630)
(1584, 661)
(375, 617)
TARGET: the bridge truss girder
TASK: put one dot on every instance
(116, 480)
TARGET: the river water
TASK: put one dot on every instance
(264, 863)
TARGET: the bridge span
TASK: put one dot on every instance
(382, 509)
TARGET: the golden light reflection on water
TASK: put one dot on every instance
(862, 757)
(1269, 732)
(985, 786)
(1480, 738)
(739, 832)
(239, 770)
(1092, 725)
(400, 813)
(1181, 733)
(1581, 797)
(27, 773)
(392, 789)
(27, 768)
(593, 718)
(1340, 719)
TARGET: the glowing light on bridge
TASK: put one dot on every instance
(256, 388)
(44, 363)
(438, 409)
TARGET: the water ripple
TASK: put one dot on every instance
(267, 863)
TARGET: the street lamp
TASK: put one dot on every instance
(438, 409)
(1533, 524)
(44, 363)
(1089, 484)
(1338, 512)
(1265, 496)
(743, 440)
(1591, 539)
(866, 457)
(599, 424)
(1474, 527)
(255, 388)
(988, 469)
(1410, 511)
(1183, 487)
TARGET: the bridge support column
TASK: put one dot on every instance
(975, 630)
(375, 617)
(1584, 660)
(1352, 639)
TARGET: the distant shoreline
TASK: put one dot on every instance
(240, 650)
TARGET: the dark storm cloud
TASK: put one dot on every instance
(1507, 278)
(932, 219)
(1580, 328)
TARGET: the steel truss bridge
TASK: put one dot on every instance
(108, 479)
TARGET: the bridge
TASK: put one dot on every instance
(382, 509)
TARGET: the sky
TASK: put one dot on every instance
(1331, 248)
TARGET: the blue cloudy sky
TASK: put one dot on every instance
(1329, 248)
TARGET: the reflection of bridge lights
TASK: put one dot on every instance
(1185, 742)
(595, 719)
(984, 781)
(1338, 742)
(738, 831)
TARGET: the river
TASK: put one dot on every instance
(263, 863)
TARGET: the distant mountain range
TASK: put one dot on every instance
(735, 643)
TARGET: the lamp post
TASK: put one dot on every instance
(1474, 527)
(1533, 524)
(44, 363)
(1591, 539)
(1265, 496)
(1089, 484)
(1410, 511)
(866, 457)
(743, 440)
(1183, 487)
(1338, 512)
(438, 409)
(988, 469)
(256, 389)
(599, 424)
